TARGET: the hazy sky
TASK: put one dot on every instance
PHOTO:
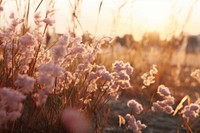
(135, 16)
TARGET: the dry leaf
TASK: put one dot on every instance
(121, 120)
(180, 105)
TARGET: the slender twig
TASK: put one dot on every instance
(38, 6)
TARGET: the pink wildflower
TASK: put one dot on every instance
(26, 82)
(12, 15)
(137, 107)
(63, 40)
(48, 21)
(58, 52)
(46, 79)
(163, 91)
(1, 8)
(11, 105)
(27, 40)
(135, 125)
(121, 75)
(101, 71)
(161, 106)
(75, 121)
(191, 111)
(166, 104)
(51, 69)
(120, 65)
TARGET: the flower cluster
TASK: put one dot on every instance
(46, 78)
(191, 111)
(135, 125)
(10, 105)
(27, 40)
(149, 78)
(1, 8)
(120, 77)
(48, 21)
(8, 36)
(137, 107)
(75, 121)
(166, 104)
(26, 49)
(26, 83)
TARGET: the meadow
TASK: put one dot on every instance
(65, 83)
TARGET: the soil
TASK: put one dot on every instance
(156, 122)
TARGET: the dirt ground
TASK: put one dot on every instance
(156, 122)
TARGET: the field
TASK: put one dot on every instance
(66, 83)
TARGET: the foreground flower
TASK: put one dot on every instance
(163, 91)
(10, 105)
(166, 104)
(48, 21)
(75, 121)
(137, 107)
(191, 111)
(26, 83)
(27, 40)
(1, 8)
(135, 125)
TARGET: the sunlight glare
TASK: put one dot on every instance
(153, 15)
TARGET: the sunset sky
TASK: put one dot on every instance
(135, 16)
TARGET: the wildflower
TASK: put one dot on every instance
(121, 75)
(162, 106)
(48, 21)
(120, 65)
(46, 79)
(163, 91)
(93, 76)
(135, 125)
(75, 121)
(81, 68)
(12, 15)
(11, 105)
(26, 82)
(102, 72)
(63, 40)
(106, 75)
(1, 8)
(137, 107)
(148, 77)
(58, 52)
(27, 40)
(191, 111)
(37, 15)
(166, 104)
(51, 69)
(37, 19)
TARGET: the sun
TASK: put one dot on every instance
(152, 15)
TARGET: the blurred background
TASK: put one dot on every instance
(118, 17)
